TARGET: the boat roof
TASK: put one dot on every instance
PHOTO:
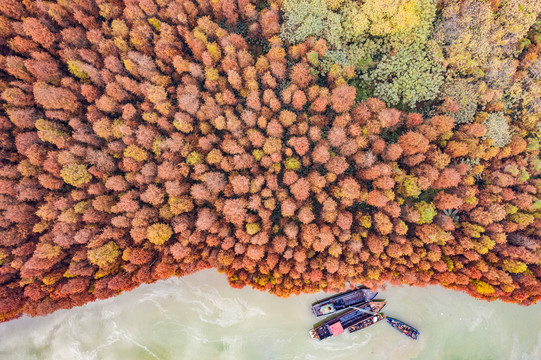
(336, 328)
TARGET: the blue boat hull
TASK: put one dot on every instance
(404, 328)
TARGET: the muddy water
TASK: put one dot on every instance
(201, 317)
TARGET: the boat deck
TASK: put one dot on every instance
(366, 322)
(344, 320)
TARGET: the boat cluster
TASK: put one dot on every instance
(353, 310)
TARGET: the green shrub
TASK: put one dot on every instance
(482, 287)
(105, 255)
(465, 94)
(356, 33)
(427, 211)
(514, 266)
(75, 174)
(303, 19)
(498, 129)
(406, 78)
(159, 233)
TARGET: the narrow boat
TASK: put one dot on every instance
(336, 324)
(366, 322)
(404, 328)
(342, 301)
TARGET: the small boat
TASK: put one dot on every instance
(404, 328)
(342, 301)
(366, 322)
(336, 324)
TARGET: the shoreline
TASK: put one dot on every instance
(201, 317)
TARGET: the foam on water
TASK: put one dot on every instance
(201, 317)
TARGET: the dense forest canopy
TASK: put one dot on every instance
(296, 146)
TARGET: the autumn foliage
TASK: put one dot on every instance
(148, 139)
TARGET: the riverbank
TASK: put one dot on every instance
(202, 317)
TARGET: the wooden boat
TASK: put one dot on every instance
(366, 322)
(336, 324)
(342, 301)
(404, 328)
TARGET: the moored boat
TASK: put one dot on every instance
(337, 324)
(404, 328)
(366, 322)
(342, 301)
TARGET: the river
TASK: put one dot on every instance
(201, 317)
